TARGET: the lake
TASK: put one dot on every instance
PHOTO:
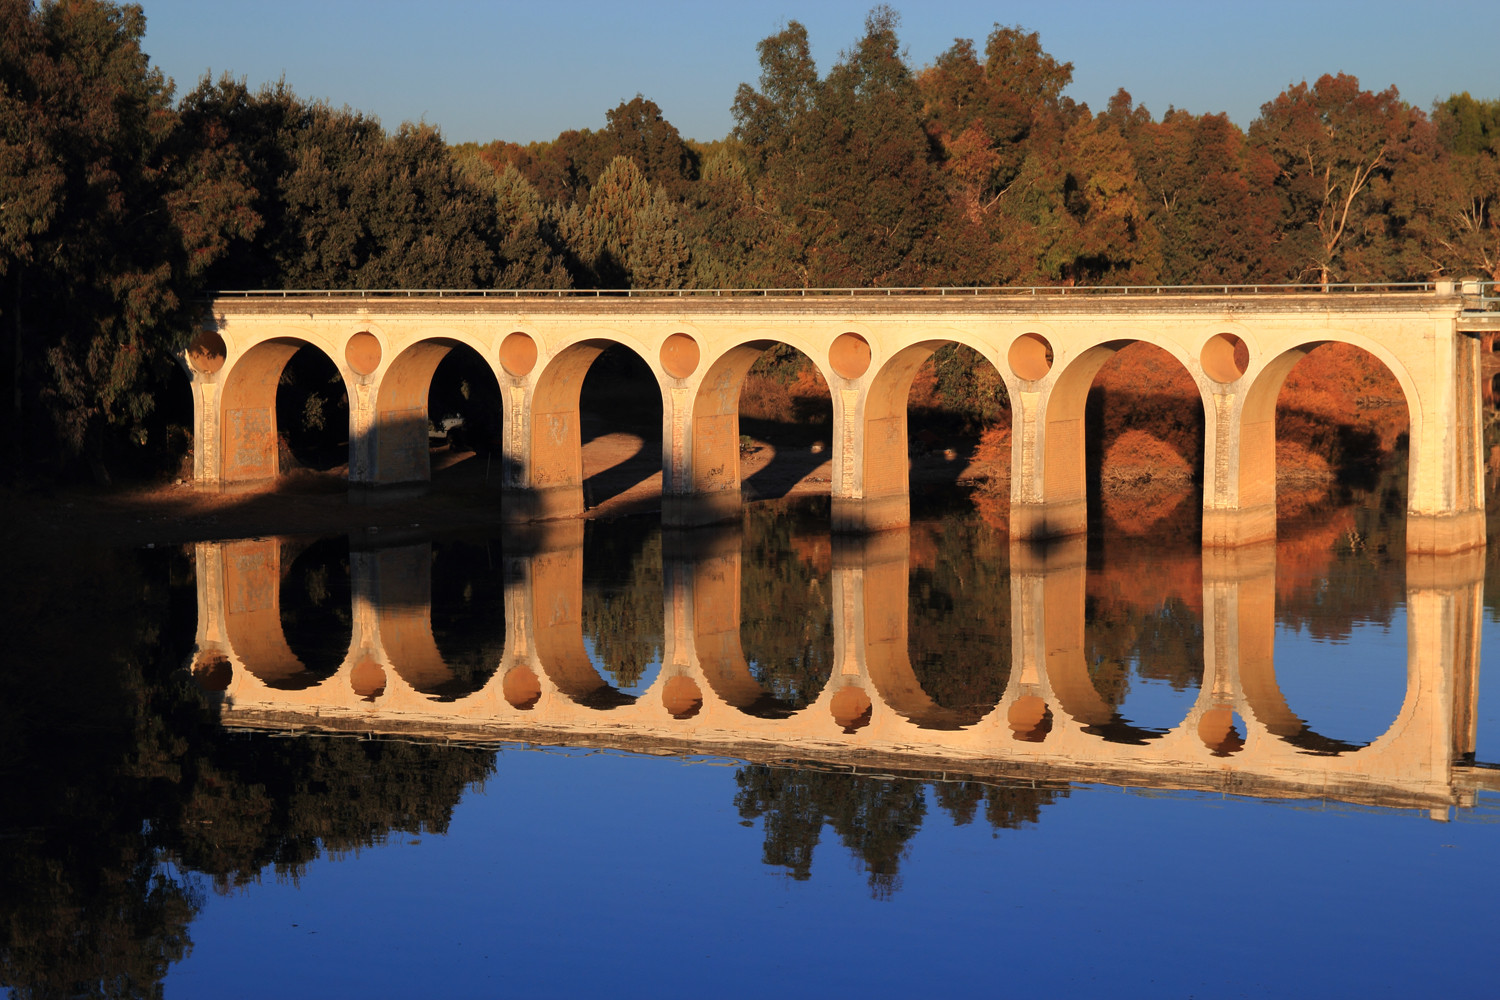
(606, 758)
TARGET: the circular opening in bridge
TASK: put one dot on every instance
(681, 697)
(521, 688)
(212, 672)
(1225, 358)
(518, 354)
(367, 679)
(851, 709)
(1221, 731)
(1030, 356)
(1029, 718)
(207, 351)
(850, 355)
(363, 353)
(679, 355)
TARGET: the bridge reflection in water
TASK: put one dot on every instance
(1050, 723)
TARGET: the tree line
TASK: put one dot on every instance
(123, 205)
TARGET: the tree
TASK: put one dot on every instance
(1336, 148)
(1464, 234)
(1206, 192)
(114, 212)
(637, 129)
(722, 224)
(845, 161)
(345, 205)
(627, 235)
(983, 116)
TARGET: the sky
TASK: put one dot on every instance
(524, 72)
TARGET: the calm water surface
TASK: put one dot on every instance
(608, 759)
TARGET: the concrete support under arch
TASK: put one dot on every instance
(1239, 637)
(543, 460)
(701, 467)
(1444, 619)
(389, 450)
(871, 586)
(246, 432)
(875, 492)
(1049, 485)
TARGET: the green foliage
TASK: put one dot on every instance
(846, 160)
(347, 206)
(627, 235)
(127, 800)
(874, 818)
(114, 209)
(976, 170)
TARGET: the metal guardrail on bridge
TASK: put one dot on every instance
(1035, 291)
(1483, 296)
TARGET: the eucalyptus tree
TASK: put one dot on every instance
(1337, 150)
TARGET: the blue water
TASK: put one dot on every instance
(575, 872)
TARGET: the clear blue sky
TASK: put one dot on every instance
(527, 71)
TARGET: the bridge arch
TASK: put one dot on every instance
(285, 645)
(555, 451)
(248, 432)
(1273, 713)
(1065, 441)
(885, 476)
(398, 450)
(714, 442)
(414, 624)
(1256, 466)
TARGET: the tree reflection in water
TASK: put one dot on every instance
(128, 802)
(127, 799)
(875, 818)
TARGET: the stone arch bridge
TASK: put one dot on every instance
(1237, 343)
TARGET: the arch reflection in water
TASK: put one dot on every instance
(1049, 722)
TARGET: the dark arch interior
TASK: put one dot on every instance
(1342, 427)
(468, 613)
(958, 430)
(312, 413)
(622, 601)
(464, 418)
(960, 617)
(786, 422)
(786, 607)
(619, 409)
(316, 609)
